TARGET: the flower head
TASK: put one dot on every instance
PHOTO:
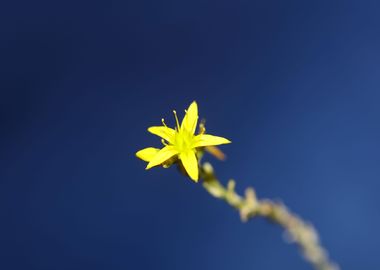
(180, 144)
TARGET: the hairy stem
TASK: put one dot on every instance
(298, 231)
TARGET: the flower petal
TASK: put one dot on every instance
(164, 132)
(163, 155)
(147, 154)
(190, 120)
(207, 140)
(190, 163)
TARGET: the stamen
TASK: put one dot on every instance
(164, 142)
(166, 132)
(163, 122)
(176, 119)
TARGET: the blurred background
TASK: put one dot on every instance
(294, 85)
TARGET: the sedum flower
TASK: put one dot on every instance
(180, 143)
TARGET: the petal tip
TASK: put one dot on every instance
(225, 141)
(138, 154)
(194, 179)
(193, 105)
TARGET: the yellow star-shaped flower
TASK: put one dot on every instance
(180, 143)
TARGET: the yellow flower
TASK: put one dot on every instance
(180, 143)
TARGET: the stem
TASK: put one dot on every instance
(299, 231)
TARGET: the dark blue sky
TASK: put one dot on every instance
(294, 85)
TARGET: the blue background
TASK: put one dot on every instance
(294, 85)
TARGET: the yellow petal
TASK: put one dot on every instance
(147, 154)
(207, 140)
(190, 163)
(164, 132)
(190, 120)
(163, 155)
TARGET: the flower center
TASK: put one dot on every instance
(183, 140)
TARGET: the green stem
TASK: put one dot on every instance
(299, 231)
